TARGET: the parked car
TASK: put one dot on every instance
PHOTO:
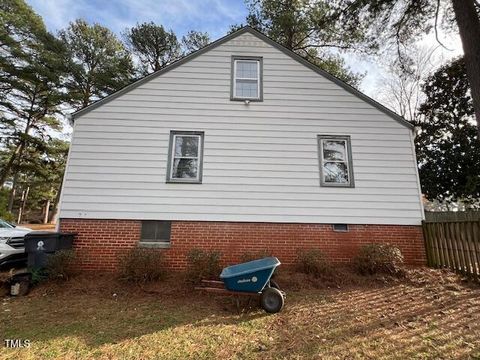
(12, 247)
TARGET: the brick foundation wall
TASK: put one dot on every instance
(100, 242)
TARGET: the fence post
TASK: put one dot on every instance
(428, 248)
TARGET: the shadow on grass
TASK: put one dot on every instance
(401, 319)
(101, 311)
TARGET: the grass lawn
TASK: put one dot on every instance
(431, 314)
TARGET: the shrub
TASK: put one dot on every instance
(59, 265)
(38, 275)
(249, 256)
(313, 262)
(141, 265)
(7, 216)
(379, 258)
(203, 264)
(4, 214)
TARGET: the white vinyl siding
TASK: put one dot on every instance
(260, 161)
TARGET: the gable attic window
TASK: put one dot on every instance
(185, 157)
(246, 83)
(335, 156)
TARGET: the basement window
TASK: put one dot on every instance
(155, 233)
(340, 227)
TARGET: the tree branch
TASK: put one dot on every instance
(323, 46)
(310, 32)
(437, 11)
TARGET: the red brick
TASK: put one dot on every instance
(99, 243)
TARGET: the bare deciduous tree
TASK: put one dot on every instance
(401, 88)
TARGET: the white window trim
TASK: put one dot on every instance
(348, 160)
(172, 157)
(172, 160)
(258, 79)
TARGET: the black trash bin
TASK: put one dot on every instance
(41, 244)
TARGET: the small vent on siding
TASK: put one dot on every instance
(340, 227)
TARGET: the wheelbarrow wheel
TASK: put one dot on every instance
(274, 284)
(272, 300)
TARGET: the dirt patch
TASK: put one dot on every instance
(4, 289)
(439, 277)
(342, 277)
(106, 285)
(42, 227)
(4, 285)
(176, 285)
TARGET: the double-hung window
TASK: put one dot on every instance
(246, 78)
(335, 155)
(185, 157)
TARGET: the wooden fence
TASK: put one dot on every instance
(440, 216)
(454, 245)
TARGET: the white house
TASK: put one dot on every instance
(241, 146)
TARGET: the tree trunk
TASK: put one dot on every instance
(45, 214)
(469, 26)
(16, 155)
(13, 192)
(55, 208)
(21, 211)
(8, 166)
(86, 96)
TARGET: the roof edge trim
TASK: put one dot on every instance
(268, 40)
(153, 75)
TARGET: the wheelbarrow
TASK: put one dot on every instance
(251, 278)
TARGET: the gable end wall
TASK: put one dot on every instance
(260, 160)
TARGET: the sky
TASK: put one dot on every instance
(212, 16)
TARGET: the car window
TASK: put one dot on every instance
(5, 225)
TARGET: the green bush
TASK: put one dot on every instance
(141, 265)
(379, 258)
(7, 216)
(39, 275)
(4, 214)
(313, 262)
(203, 264)
(59, 265)
(249, 256)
